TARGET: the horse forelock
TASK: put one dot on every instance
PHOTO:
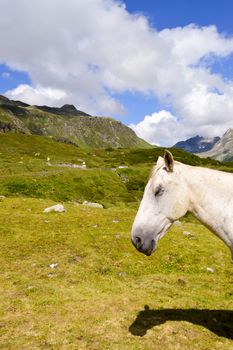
(156, 168)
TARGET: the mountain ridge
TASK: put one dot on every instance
(197, 144)
(67, 124)
(223, 149)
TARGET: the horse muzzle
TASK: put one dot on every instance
(146, 248)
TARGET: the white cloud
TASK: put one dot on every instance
(85, 51)
(160, 128)
(191, 43)
(39, 95)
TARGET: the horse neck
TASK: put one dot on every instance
(211, 200)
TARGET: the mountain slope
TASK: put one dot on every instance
(223, 149)
(26, 171)
(66, 124)
(197, 144)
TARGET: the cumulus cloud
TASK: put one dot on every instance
(160, 128)
(39, 95)
(191, 43)
(86, 57)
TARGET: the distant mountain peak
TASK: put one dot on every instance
(223, 149)
(229, 132)
(67, 109)
(197, 144)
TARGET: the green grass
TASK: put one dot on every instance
(103, 294)
(24, 170)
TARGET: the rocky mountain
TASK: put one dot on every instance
(197, 144)
(66, 124)
(223, 149)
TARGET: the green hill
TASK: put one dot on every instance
(66, 124)
(112, 176)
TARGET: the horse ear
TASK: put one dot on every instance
(169, 161)
(160, 161)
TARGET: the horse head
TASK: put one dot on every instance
(165, 200)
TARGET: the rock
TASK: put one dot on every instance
(30, 287)
(93, 205)
(122, 274)
(188, 234)
(2, 197)
(59, 208)
(118, 236)
(210, 269)
(53, 266)
(181, 281)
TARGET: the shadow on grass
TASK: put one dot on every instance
(219, 322)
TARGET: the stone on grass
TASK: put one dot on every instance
(59, 208)
(93, 205)
(181, 281)
(210, 269)
(188, 234)
(53, 266)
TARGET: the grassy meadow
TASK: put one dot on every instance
(73, 280)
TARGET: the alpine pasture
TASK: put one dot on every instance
(73, 280)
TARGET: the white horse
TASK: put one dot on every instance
(174, 189)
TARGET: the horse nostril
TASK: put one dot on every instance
(138, 242)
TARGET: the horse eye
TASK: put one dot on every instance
(159, 190)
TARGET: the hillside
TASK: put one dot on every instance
(223, 149)
(111, 175)
(66, 124)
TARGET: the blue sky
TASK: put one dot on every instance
(179, 13)
(173, 13)
(10, 79)
(164, 67)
